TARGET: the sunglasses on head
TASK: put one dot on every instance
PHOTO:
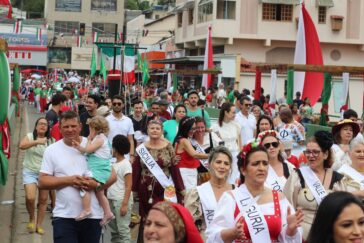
(274, 145)
(117, 104)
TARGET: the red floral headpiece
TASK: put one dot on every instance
(248, 147)
(267, 133)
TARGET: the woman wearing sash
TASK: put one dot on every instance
(189, 157)
(229, 131)
(155, 173)
(343, 133)
(170, 127)
(279, 169)
(253, 212)
(307, 186)
(354, 173)
(202, 201)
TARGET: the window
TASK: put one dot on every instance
(205, 11)
(226, 9)
(179, 19)
(105, 29)
(322, 14)
(66, 27)
(190, 16)
(277, 12)
(103, 5)
(68, 6)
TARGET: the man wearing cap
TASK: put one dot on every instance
(194, 110)
(92, 103)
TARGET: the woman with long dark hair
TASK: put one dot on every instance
(264, 123)
(339, 218)
(229, 131)
(240, 211)
(189, 156)
(35, 143)
(170, 127)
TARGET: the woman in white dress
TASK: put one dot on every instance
(343, 132)
(229, 132)
(279, 169)
(253, 212)
(202, 200)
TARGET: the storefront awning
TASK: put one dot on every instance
(325, 3)
(288, 2)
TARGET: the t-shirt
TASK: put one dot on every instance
(62, 160)
(51, 117)
(229, 133)
(123, 126)
(170, 130)
(117, 190)
(34, 155)
(85, 118)
(198, 112)
(248, 125)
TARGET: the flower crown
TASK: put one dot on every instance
(248, 147)
(264, 134)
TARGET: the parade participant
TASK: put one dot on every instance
(139, 122)
(67, 91)
(172, 223)
(279, 169)
(163, 106)
(53, 114)
(343, 132)
(339, 218)
(108, 102)
(120, 124)
(35, 143)
(229, 132)
(295, 113)
(189, 156)
(92, 103)
(98, 162)
(353, 115)
(307, 186)
(202, 200)
(264, 123)
(194, 110)
(43, 99)
(277, 120)
(256, 111)
(155, 173)
(155, 109)
(31, 98)
(65, 173)
(171, 127)
(37, 91)
(290, 130)
(306, 111)
(252, 212)
(119, 193)
(204, 137)
(354, 173)
(246, 120)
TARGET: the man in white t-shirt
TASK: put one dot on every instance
(120, 124)
(246, 120)
(64, 169)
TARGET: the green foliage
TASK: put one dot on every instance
(137, 5)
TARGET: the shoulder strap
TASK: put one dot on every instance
(211, 143)
(285, 170)
(336, 176)
(203, 113)
(302, 180)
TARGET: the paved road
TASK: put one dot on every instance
(14, 217)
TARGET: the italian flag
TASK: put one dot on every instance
(208, 60)
(129, 65)
(96, 37)
(79, 41)
(308, 51)
(18, 27)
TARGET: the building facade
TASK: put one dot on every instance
(264, 31)
(71, 28)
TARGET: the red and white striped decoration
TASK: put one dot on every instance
(18, 26)
(79, 41)
(95, 37)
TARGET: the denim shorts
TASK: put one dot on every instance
(30, 177)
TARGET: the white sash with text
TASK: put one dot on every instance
(272, 180)
(152, 165)
(200, 150)
(317, 189)
(208, 202)
(353, 174)
(253, 216)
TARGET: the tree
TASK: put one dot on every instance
(137, 5)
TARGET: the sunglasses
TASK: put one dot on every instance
(248, 105)
(313, 153)
(274, 145)
(117, 104)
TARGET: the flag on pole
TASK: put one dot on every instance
(169, 81)
(10, 10)
(95, 37)
(290, 75)
(258, 84)
(18, 26)
(208, 60)
(39, 34)
(175, 82)
(273, 92)
(129, 65)
(145, 76)
(120, 37)
(325, 97)
(345, 100)
(308, 51)
(140, 62)
(93, 63)
(79, 41)
(103, 70)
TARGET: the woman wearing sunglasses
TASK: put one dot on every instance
(278, 169)
(308, 186)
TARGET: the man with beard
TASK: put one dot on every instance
(194, 110)
(120, 124)
(92, 103)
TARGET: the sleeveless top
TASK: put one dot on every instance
(274, 221)
(187, 161)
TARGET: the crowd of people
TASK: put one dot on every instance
(156, 159)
